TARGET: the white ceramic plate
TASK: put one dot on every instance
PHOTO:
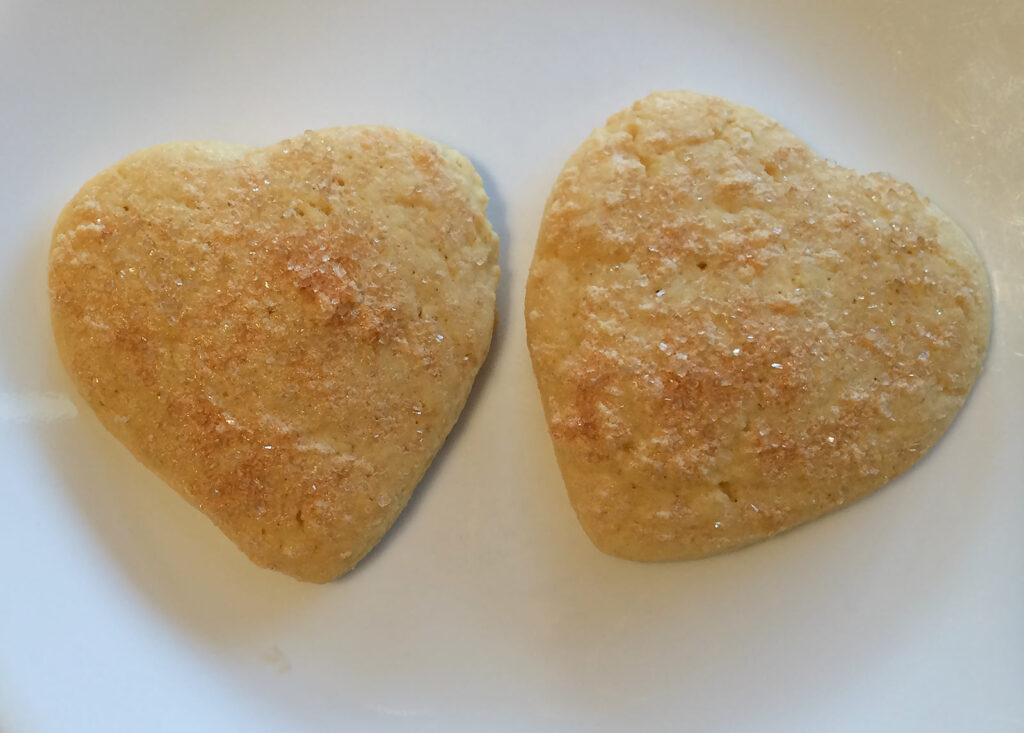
(486, 608)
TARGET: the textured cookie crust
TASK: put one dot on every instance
(732, 336)
(284, 334)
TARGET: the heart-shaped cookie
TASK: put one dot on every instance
(285, 335)
(732, 336)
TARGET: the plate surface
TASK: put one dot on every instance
(486, 608)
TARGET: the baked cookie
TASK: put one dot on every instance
(285, 335)
(732, 336)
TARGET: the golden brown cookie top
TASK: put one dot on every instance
(732, 335)
(285, 334)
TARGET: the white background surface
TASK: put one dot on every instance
(122, 609)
